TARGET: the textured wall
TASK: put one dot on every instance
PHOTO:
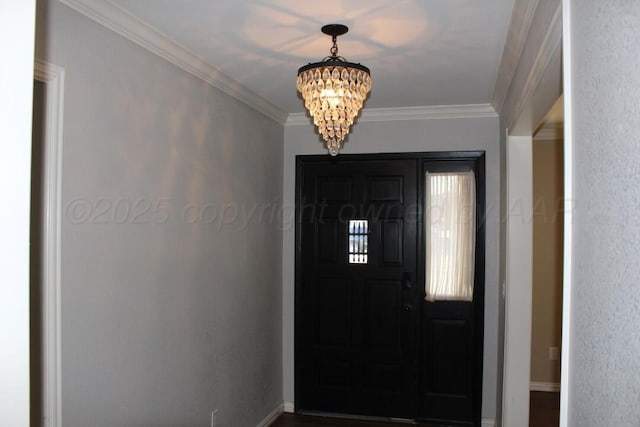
(171, 258)
(546, 320)
(405, 136)
(604, 389)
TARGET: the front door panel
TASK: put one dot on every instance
(359, 326)
(366, 341)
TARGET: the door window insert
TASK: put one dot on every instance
(358, 241)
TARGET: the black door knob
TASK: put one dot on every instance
(406, 281)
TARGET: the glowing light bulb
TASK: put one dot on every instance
(331, 96)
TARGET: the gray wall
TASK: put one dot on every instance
(404, 136)
(166, 316)
(605, 317)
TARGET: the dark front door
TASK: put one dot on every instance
(366, 341)
(359, 321)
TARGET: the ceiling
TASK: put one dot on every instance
(420, 52)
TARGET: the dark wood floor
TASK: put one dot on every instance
(544, 409)
(544, 412)
(291, 420)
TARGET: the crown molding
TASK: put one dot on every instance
(552, 133)
(521, 18)
(549, 47)
(129, 26)
(409, 113)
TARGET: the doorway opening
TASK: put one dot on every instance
(539, 88)
(36, 321)
(547, 222)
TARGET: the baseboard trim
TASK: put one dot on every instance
(272, 416)
(540, 386)
(289, 407)
(488, 422)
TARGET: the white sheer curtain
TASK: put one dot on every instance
(451, 235)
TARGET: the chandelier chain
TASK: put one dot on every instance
(334, 48)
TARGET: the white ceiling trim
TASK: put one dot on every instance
(129, 26)
(521, 18)
(408, 113)
(550, 46)
(134, 29)
(555, 133)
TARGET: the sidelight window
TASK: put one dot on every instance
(450, 235)
(358, 241)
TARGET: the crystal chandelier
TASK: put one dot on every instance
(333, 91)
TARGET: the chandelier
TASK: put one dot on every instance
(334, 91)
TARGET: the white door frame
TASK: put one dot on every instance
(567, 265)
(542, 88)
(519, 280)
(53, 78)
(17, 35)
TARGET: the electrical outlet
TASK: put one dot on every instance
(214, 418)
(553, 353)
